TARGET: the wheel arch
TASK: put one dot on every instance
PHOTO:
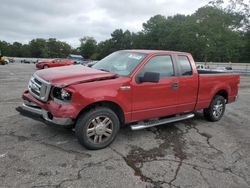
(223, 93)
(108, 104)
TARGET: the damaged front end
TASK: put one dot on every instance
(42, 102)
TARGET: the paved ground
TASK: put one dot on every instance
(192, 153)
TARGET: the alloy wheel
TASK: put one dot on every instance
(99, 129)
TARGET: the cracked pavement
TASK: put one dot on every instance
(191, 153)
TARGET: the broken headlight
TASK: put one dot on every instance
(61, 94)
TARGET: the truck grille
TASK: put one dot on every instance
(39, 88)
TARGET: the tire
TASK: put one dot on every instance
(216, 109)
(69, 127)
(45, 66)
(99, 122)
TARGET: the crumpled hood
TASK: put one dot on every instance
(74, 74)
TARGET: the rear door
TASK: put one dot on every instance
(150, 100)
(188, 83)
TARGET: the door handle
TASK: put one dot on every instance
(175, 85)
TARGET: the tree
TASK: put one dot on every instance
(245, 50)
(155, 31)
(5, 48)
(215, 32)
(104, 48)
(121, 40)
(88, 47)
(17, 49)
(38, 48)
(57, 48)
(237, 8)
(26, 51)
(51, 48)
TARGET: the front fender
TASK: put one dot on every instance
(88, 93)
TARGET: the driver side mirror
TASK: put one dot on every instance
(149, 77)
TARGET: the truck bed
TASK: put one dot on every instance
(212, 82)
(209, 71)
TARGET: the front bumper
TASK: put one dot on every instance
(38, 66)
(32, 110)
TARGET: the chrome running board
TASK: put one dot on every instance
(152, 123)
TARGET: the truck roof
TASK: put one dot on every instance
(156, 51)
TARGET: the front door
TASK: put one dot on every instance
(151, 100)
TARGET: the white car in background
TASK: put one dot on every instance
(77, 59)
(224, 69)
(202, 67)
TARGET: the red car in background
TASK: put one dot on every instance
(53, 63)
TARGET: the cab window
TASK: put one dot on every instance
(185, 66)
(160, 64)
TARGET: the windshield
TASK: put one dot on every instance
(122, 63)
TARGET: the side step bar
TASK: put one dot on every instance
(143, 125)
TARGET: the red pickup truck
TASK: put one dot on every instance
(54, 63)
(139, 88)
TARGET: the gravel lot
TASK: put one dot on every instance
(192, 153)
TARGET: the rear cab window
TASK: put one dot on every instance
(185, 65)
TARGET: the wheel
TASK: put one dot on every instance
(97, 128)
(216, 109)
(45, 66)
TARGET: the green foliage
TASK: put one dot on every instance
(121, 40)
(5, 48)
(245, 50)
(39, 48)
(236, 8)
(49, 48)
(154, 31)
(210, 34)
(56, 48)
(104, 48)
(88, 47)
(214, 31)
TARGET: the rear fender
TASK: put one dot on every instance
(218, 88)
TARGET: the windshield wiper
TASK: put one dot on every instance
(104, 70)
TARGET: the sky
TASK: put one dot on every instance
(24, 20)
